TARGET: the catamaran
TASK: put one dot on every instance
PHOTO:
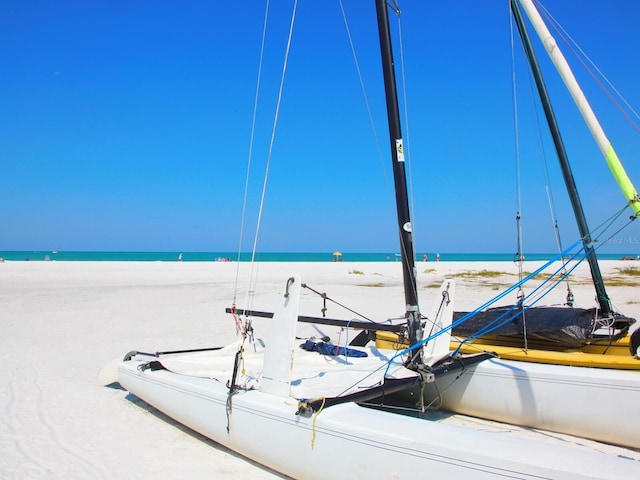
(276, 400)
(554, 364)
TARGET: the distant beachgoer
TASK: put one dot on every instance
(425, 257)
(437, 257)
(180, 257)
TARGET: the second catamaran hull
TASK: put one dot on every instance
(613, 357)
(600, 404)
(349, 441)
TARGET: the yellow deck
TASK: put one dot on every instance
(600, 354)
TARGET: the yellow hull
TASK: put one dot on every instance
(600, 354)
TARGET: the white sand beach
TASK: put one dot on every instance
(61, 322)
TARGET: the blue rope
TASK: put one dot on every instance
(495, 324)
(515, 286)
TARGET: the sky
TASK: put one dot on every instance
(127, 126)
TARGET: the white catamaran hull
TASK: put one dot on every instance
(600, 404)
(262, 419)
(349, 441)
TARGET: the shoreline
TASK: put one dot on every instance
(267, 257)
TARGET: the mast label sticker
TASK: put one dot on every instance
(407, 227)
(399, 150)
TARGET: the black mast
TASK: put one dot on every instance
(603, 298)
(400, 180)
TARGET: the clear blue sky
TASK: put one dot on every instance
(126, 126)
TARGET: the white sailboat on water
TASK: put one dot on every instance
(287, 408)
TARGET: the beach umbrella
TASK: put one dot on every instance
(336, 254)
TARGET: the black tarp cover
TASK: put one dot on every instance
(570, 327)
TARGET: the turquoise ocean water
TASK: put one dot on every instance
(268, 257)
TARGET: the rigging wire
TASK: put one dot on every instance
(251, 141)
(396, 9)
(519, 257)
(545, 169)
(405, 104)
(326, 298)
(579, 256)
(393, 5)
(541, 291)
(584, 59)
(606, 225)
(498, 297)
(406, 145)
(253, 276)
(366, 99)
(383, 166)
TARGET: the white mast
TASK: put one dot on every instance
(618, 171)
